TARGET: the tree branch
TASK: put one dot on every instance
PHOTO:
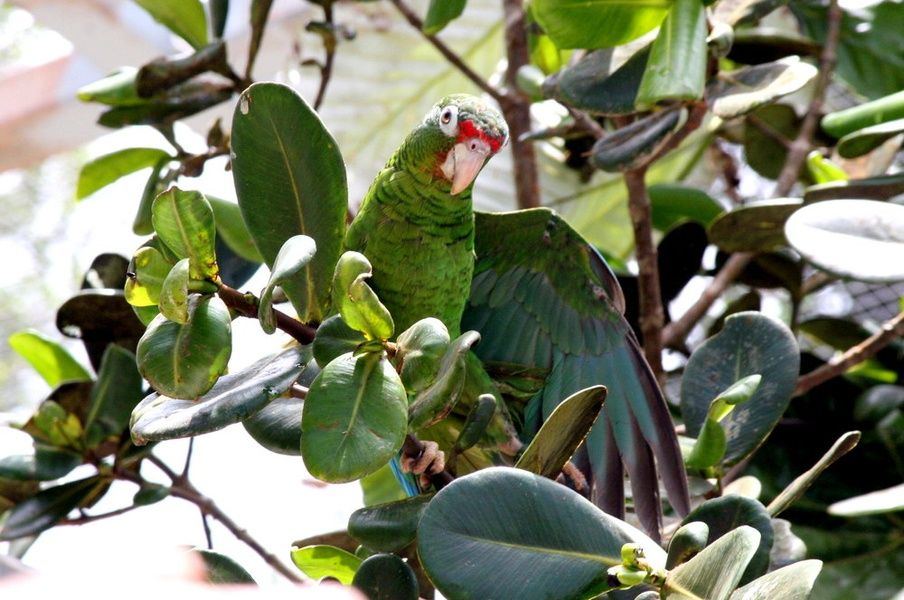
(84, 519)
(890, 331)
(329, 47)
(801, 146)
(246, 305)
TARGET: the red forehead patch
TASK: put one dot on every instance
(468, 130)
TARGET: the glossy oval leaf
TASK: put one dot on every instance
(858, 239)
(723, 515)
(117, 390)
(634, 144)
(116, 89)
(598, 23)
(356, 302)
(883, 187)
(763, 135)
(295, 254)
(220, 569)
(866, 140)
(591, 85)
(104, 170)
(184, 361)
(173, 301)
(882, 110)
(388, 527)
(185, 18)
(676, 69)
(326, 561)
(739, 92)
(52, 362)
(184, 222)
(433, 403)
(440, 13)
(277, 426)
(290, 179)
(149, 269)
(673, 203)
(793, 582)
(750, 343)
(386, 577)
(419, 350)
(562, 432)
(231, 228)
(754, 227)
(560, 539)
(355, 418)
(334, 338)
(45, 464)
(46, 508)
(233, 398)
(687, 542)
(715, 572)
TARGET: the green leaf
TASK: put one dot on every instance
(714, 573)
(173, 301)
(326, 561)
(874, 503)
(46, 464)
(334, 338)
(185, 18)
(184, 361)
(381, 487)
(866, 140)
(475, 425)
(115, 393)
(46, 508)
(433, 403)
(598, 23)
(260, 11)
(528, 525)
(750, 343)
(150, 493)
(442, 12)
(290, 179)
(883, 110)
(419, 350)
(48, 358)
(388, 527)
(231, 229)
(634, 145)
(562, 432)
(822, 169)
(736, 93)
(754, 227)
(676, 69)
(150, 269)
(793, 582)
(355, 418)
(802, 482)
(871, 188)
(764, 153)
(232, 398)
(104, 170)
(725, 514)
(163, 74)
(220, 569)
(143, 223)
(184, 222)
(277, 426)
(386, 577)
(182, 101)
(709, 449)
(673, 203)
(219, 11)
(591, 85)
(295, 254)
(744, 12)
(859, 239)
(116, 89)
(687, 542)
(356, 301)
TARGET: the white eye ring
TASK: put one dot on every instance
(448, 120)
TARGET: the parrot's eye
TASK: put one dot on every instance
(448, 120)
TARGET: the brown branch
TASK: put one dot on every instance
(329, 46)
(889, 332)
(246, 305)
(652, 315)
(803, 143)
(85, 518)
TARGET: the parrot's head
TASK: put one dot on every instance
(463, 133)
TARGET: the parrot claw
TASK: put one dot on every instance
(430, 461)
(570, 471)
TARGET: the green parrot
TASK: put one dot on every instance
(539, 295)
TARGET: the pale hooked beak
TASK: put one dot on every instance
(464, 162)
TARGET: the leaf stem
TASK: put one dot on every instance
(329, 46)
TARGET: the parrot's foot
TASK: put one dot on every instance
(570, 471)
(511, 447)
(431, 461)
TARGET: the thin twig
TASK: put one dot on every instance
(246, 305)
(188, 456)
(889, 332)
(207, 534)
(454, 59)
(329, 46)
(803, 143)
(85, 518)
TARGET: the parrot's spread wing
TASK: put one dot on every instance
(543, 297)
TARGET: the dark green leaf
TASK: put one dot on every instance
(104, 170)
(356, 302)
(868, 139)
(883, 110)
(687, 542)
(355, 418)
(633, 145)
(150, 493)
(475, 425)
(744, 12)
(184, 222)
(222, 569)
(793, 582)
(334, 338)
(527, 525)
(674, 203)
(434, 402)
(48, 358)
(46, 508)
(143, 224)
(115, 393)
(754, 227)
(277, 426)
(876, 402)
(173, 300)
(388, 527)
(749, 301)
(871, 188)
(598, 23)
(676, 69)
(759, 45)
(46, 464)
(162, 74)
(749, 343)
(295, 254)
(859, 239)
(326, 561)
(715, 572)
(562, 432)
(386, 577)
(233, 398)
(219, 10)
(591, 84)
(116, 89)
(260, 11)
(724, 515)
(185, 18)
(767, 131)
(184, 361)
(420, 349)
(442, 12)
(231, 228)
(739, 92)
(290, 179)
